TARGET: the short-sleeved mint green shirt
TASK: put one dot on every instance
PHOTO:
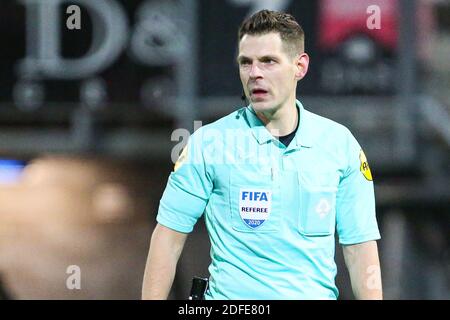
(271, 211)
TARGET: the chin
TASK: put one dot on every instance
(261, 106)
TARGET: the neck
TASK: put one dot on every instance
(282, 121)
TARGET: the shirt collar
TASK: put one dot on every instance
(303, 136)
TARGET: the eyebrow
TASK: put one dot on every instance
(242, 58)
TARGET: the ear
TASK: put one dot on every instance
(301, 63)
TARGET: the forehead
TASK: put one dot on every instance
(261, 45)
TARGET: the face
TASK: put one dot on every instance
(268, 73)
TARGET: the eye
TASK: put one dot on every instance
(268, 61)
(244, 62)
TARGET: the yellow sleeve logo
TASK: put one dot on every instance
(364, 168)
(181, 159)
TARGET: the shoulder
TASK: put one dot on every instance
(334, 140)
(219, 127)
(213, 136)
(326, 130)
(229, 121)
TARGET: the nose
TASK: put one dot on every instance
(255, 72)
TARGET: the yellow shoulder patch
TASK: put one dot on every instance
(181, 159)
(364, 168)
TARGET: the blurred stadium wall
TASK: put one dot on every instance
(90, 101)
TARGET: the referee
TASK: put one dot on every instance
(275, 184)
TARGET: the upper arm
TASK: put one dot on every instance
(362, 258)
(188, 189)
(359, 248)
(169, 239)
(356, 217)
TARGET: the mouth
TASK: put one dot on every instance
(258, 92)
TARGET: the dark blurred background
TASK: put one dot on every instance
(89, 109)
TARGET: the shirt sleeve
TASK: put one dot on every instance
(355, 201)
(187, 191)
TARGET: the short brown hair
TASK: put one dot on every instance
(266, 21)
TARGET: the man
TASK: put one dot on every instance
(274, 181)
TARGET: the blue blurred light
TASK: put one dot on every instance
(11, 170)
